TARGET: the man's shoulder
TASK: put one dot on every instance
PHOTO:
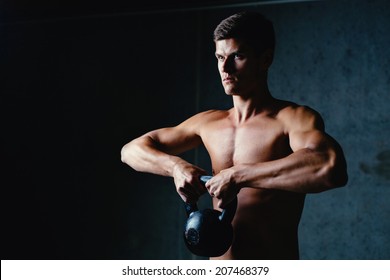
(290, 109)
(293, 115)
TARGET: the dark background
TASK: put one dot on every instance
(78, 81)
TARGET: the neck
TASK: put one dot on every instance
(246, 107)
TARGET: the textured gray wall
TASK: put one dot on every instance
(335, 57)
(73, 92)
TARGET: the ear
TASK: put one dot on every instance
(267, 58)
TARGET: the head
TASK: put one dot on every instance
(245, 44)
(249, 27)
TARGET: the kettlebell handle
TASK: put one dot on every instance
(227, 213)
(205, 178)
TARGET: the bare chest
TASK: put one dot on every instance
(254, 142)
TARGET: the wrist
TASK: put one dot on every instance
(239, 177)
(173, 165)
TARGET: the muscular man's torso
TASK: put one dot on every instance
(266, 221)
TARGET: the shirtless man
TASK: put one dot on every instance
(267, 152)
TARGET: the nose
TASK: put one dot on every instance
(227, 66)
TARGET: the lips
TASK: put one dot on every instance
(228, 79)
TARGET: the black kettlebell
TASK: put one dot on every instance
(209, 232)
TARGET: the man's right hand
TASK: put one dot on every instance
(186, 178)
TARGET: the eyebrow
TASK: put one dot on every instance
(238, 51)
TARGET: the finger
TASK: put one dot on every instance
(209, 182)
(212, 187)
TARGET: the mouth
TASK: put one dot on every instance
(228, 79)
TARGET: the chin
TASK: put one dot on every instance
(231, 91)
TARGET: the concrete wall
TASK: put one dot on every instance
(74, 91)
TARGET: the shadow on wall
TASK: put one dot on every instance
(380, 168)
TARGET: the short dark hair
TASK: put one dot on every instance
(251, 27)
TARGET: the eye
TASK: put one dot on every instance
(238, 56)
(219, 57)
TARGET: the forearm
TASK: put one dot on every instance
(304, 171)
(143, 155)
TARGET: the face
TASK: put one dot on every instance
(240, 68)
